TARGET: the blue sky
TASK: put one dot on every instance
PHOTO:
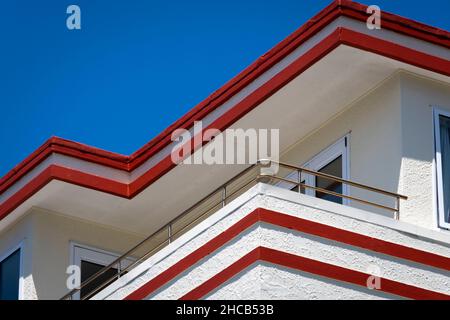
(135, 66)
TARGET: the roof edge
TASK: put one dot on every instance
(128, 163)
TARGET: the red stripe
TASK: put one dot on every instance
(298, 224)
(398, 24)
(354, 239)
(224, 275)
(55, 172)
(394, 51)
(310, 266)
(194, 257)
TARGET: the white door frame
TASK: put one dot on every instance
(323, 158)
(340, 147)
(439, 190)
(81, 252)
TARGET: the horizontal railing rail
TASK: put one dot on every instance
(262, 174)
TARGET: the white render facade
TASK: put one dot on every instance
(265, 280)
(377, 112)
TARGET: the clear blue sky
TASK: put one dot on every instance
(136, 66)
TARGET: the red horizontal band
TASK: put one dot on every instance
(55, 172)
(297, 224)
(313, 267)
(394, 51)
(354, 239)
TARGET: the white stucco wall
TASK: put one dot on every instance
(419, 95)
(391, 143)
(21, 234)
(372, 123)
(46, 238)
(262, 234)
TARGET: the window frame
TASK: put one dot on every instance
(81, 252)
(340, 147)
(438, 188)
(5, 254)
(325, 157)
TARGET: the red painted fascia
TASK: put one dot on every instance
(64, 147)
(394, 51)
(299, 225)
(128, 163)
(398, 24)
(55, 172)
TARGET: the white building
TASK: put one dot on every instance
(367, 106)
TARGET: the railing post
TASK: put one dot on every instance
(224, 196)
(169, 232)
(264, 173)
(397, 213)
(119, 269)
(299, 180)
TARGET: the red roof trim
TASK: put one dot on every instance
(128, 163)
(314, 267)
(55, 172)
(297, 224)
(64, 147)
(398, 24)
(339, 36)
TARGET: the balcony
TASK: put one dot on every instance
(264, 171)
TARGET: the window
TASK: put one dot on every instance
(88, 269)
(91, 260)
(442, 147)
(333, 168)
(10, 275)
(333, 161)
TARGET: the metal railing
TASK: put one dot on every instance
(219, 198)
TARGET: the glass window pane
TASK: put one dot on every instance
(334, 168)
(9, 277)
(302, 188)
(88, 269)
(444, 123)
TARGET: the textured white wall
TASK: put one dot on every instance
(46, 240)
(21, 233)
(375, 142)
(391, 143)
(418, 97)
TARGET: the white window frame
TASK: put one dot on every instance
(81, 252)
(439, 189)
(340, 147)
(9, 252)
